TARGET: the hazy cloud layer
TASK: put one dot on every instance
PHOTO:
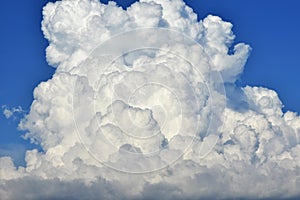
(143, 105)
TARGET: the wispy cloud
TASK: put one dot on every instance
(9, 112)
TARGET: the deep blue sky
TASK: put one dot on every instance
(271, 27)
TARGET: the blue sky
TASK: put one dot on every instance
(272, 28)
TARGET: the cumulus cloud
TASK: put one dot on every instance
(143, 105)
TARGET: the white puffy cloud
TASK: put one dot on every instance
(143, 105)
